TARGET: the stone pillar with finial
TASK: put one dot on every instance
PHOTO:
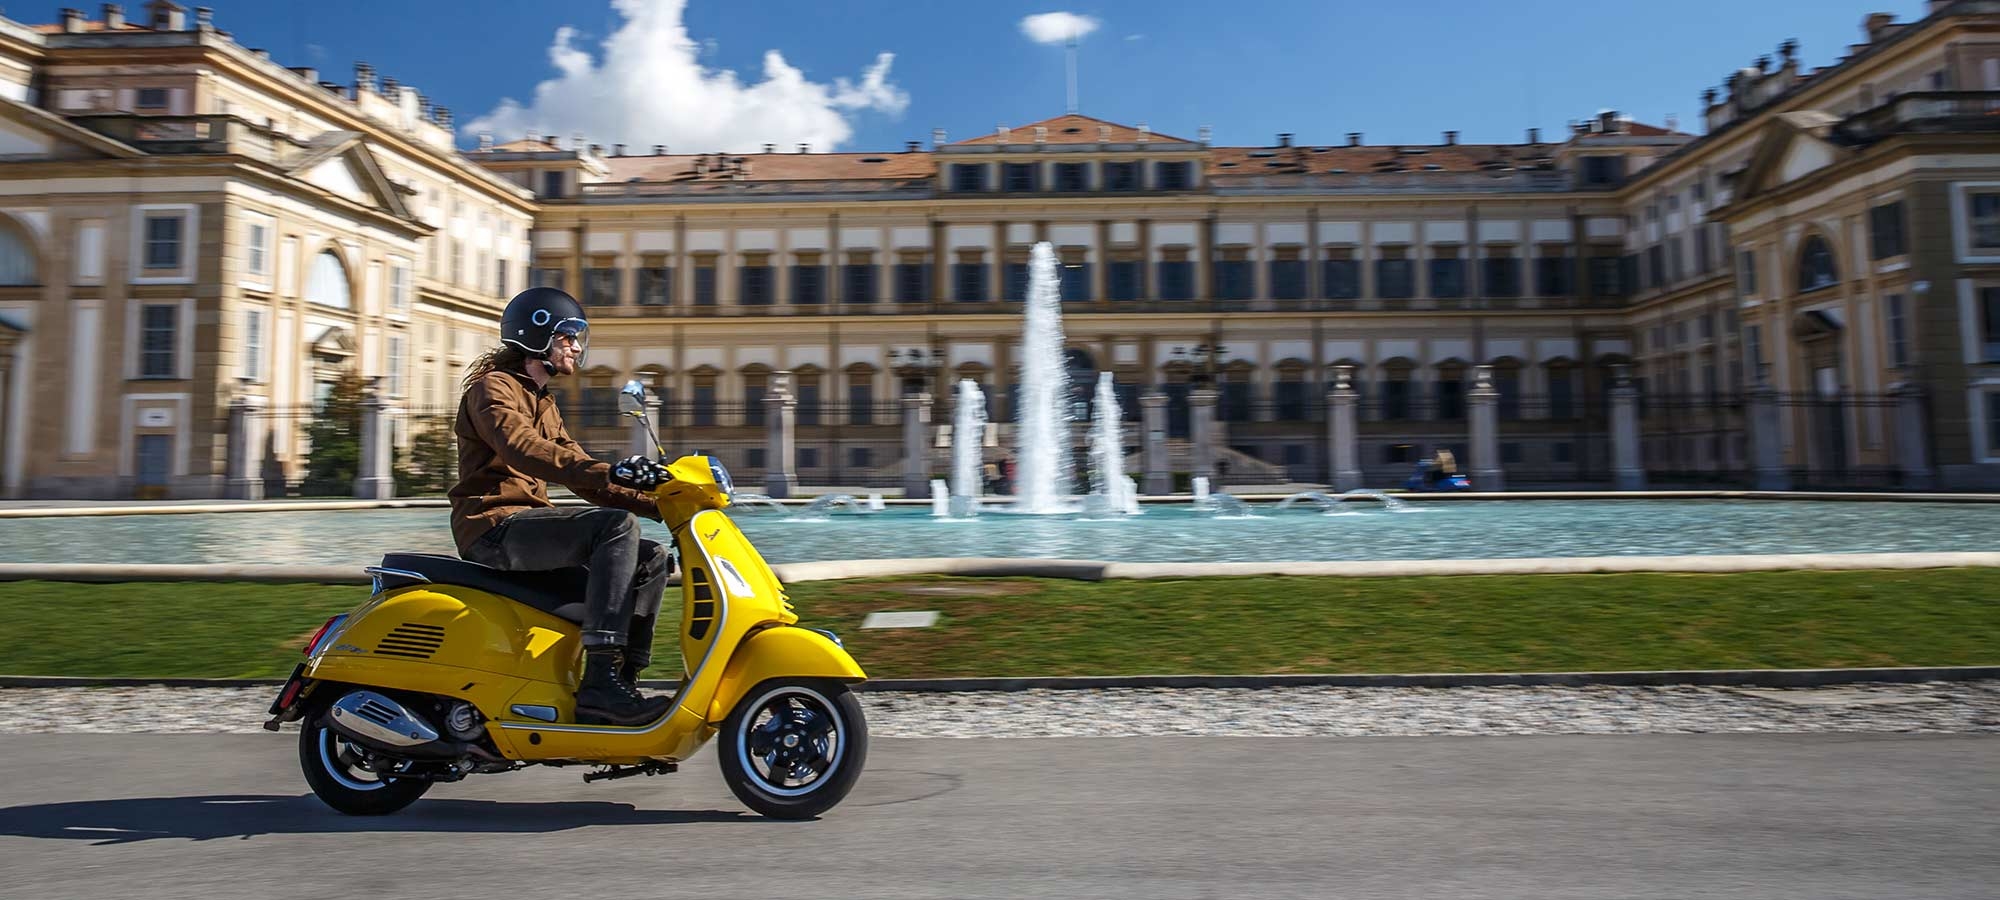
(780, 457)
(1767, 449)
(1913, 454)
(1482, 408)
(917, 446)
(1153, 415)
(1628, 471)
(1201, 431)
(241, 465)
(1343, 435)
(374, 478)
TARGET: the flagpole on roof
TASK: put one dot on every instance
(1069, 55)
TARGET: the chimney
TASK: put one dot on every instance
(1041, 134)
(1354, 139)
(617, 149)
(1204, 134)
(742, 167)
(1450, 138)
(1284, 139)
(486, 140)
(596, 149)
(114, 17)
(1534, 135)
(937, 138)
(911, 146)
(534, 136)
(310, 74)
(659, 149)
(1607, 121)
(389, 86)
(443, 116)
(1145, 132)
(701, 164)
(423, 107)
(1876, 24)
(364, 78)
(72, 20)
(805, 147)
(260, 53)
(1104, 134)
(770, 148)
(576, 141)
(166, 15)
(204, 19)
(1006, 133)
(1673, 121)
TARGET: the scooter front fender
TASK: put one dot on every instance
(780, 652)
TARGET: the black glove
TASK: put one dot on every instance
(638, 473)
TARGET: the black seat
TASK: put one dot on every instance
(558, 592)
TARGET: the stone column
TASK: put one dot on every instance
(1767, 450)
(241, 463)
(1913, 455)
(917, 446)
(1342, 433)
(1153, 412)
(1627, 470)
(8, 336)
(780, 457)
(1201, 428)
(1482, 408)
(373, 479)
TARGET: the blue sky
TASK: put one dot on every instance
(1318, 68)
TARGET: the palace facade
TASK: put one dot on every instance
(187, 224)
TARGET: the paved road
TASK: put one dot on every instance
(1807, 816)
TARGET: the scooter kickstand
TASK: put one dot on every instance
(614, 772)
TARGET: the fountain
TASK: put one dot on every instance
(1323, 502)
(746, 502)
(824, 505)
(968, 450)
(1224, 505)
(1389, 503)
(1111, 493)
(1042, 437)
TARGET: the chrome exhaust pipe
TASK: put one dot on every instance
(375, 719)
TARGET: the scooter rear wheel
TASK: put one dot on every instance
(794, 747)
(344, 779)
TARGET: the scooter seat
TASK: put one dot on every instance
(558, 592)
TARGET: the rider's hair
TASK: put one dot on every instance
(503, 358)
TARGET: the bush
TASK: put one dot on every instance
(334, 437)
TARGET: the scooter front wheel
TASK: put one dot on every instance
(348, 779)
(794, 747)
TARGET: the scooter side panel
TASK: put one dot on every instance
(780, 653)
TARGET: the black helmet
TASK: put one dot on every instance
(535, 316)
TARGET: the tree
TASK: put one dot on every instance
(431, 466)
(334, 436)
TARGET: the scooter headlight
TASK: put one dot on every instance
(720, 473)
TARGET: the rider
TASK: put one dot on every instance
(511, 443)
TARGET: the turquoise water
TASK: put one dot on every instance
(1436, 530)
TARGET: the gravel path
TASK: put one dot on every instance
(1938, 707)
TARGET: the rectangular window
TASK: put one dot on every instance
(1899, 337)
(1753, 347)
(1746, 271)
(1340, 279)
(1173, 176)
(1290, 398)
(1704, 257)
(656, 286)
(1989, 305)
(754, 285)
(807, 410)
(552, 185)
(500, 278)
(1121, 176)
(968, 281)
(397, 352)
(1603, 171)
(1396, 399)
(1447, 277)
(1451, 399)
(1235, 402)
(1605, 277)
(704, 405)
(857, 283)
(912, 282)
(1016, 285)
(808, 457)
(1986, 220)
(1072, 177)
(1561, 452)
(1020, 178)
(704, 286)
(1552, 276)
(600, 286)
(1510, 452)
(1234, 279)
(860, 403)
(1675, 269)
(1176, 280)
(808, 285)
(1562, 396)
(1074, 281)
(163, 241)
(152, 98)
(968, 177)
(1288, 279)
(399, 287)
(1124, 277)
(1656, 266)
(257, 257)
(860, 457)
(159, 349)
(1503, 276)
(753, 404)
(1993, 423)
(1885, 230)
(253, 344)
(1395, 279)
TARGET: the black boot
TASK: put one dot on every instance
(605, 698)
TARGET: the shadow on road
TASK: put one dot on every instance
(248, 815)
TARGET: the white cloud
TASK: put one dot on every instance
(1057, 27)
(1135, 37)
(647, 87)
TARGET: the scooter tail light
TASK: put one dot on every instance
(325, 630)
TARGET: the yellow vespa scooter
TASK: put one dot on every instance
(452, 668)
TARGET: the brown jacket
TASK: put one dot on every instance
(511, 443)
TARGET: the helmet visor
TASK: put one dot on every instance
(578, 331)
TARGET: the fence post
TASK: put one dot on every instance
(1483, 406)
(1767, 453)
(1345, 460)
(780, 462)
(916, 446)
(373, 479)
(245, 482)
(1201, 427)
(1913, 454)
(1628, 472)
(1153, 410)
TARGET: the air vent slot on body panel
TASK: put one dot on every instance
(702, 614)
(411, 641)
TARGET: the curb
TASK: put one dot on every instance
(1774, 678)
(1096, 570)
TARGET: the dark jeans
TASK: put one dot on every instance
(628, 574)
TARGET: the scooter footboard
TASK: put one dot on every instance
(780, 652)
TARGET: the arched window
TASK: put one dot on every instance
(1816, 265)
(327, 286)
(17, 257)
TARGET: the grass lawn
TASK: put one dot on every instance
(1003, 627)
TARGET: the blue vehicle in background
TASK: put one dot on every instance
(1439, 473)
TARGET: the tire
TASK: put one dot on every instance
(321, 750)
(750, 740)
